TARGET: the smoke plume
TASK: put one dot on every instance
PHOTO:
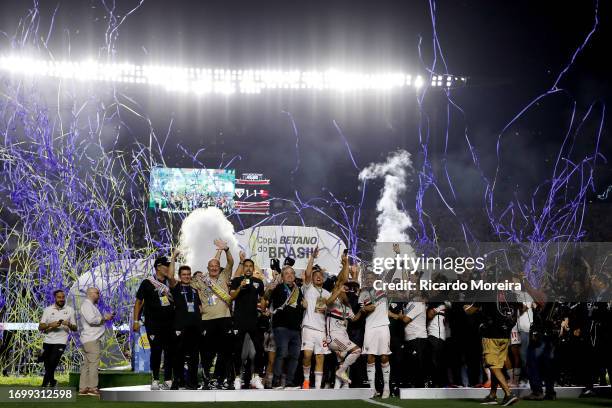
(198, 232)
(392, 222)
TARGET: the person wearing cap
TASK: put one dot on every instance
(155, 300)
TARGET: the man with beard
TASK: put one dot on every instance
(57, 320)
(246, 292)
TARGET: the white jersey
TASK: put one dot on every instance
(338, 315)
(525, 319)
(438, 326)
(380, 315)
(417, 328)
(313, 318)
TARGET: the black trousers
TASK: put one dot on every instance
(187, 349)
(160, 341)
(217, 341)
(395, 358)
(257, 337)
(439, 374)
(416, 353)
(52, 353)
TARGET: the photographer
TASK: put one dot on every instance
(56, 321)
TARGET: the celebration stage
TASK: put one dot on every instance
(143, 393)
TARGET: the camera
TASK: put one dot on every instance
(275, 265)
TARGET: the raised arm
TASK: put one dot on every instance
(539, 296)
(308, 271)
(354, 271)
(223, 247)
(171, 268)
(338, 289)
(344, 272)
(239, 270)
(271, 287)
(389, 274)
(342, 279)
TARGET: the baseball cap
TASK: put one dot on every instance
(162, 260)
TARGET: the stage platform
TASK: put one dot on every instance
(478, 393)
(142, 393)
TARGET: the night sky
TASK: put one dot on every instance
(511, 52)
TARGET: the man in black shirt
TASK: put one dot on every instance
(246, 291)
(154, 297)
(286, 301)
(187, 323)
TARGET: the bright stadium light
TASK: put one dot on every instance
(201, 81)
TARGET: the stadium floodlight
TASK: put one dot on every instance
(201, 81)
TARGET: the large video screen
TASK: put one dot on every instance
(183, 190)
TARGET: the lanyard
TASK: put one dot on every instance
(185, 295)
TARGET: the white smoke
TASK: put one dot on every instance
(392, 221)
(198, 232)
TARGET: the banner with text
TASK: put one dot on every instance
(268, 242)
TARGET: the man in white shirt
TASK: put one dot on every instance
(523, 325)
(377, 338)
(56, 321)
(415, 335)
(313, 324)
(91, 334)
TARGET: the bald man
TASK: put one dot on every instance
(91, 333)
(213, 290)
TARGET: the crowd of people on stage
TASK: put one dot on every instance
(231, 328)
